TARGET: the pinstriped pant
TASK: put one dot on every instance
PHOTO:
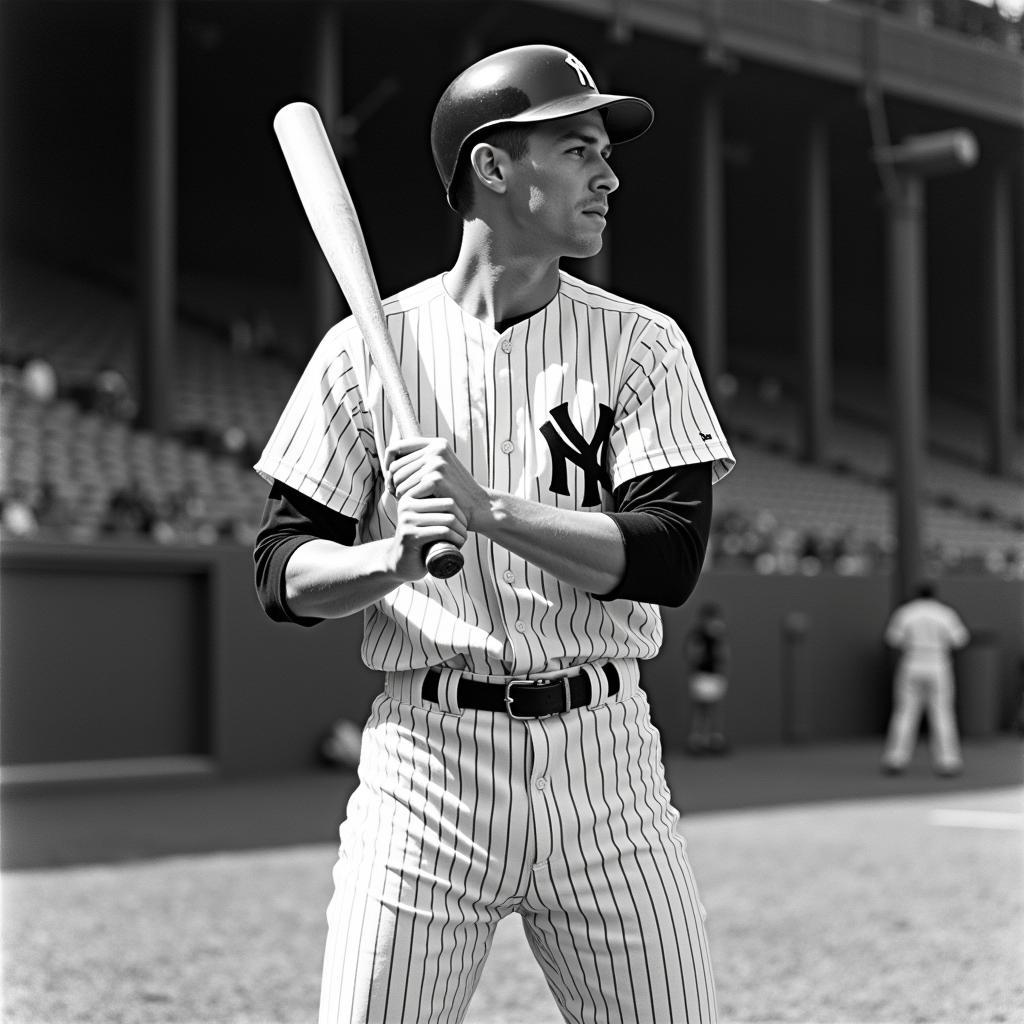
(461, 818)
(923, 684)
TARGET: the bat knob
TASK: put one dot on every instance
(444, 560)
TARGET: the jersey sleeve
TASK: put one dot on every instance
(959, 635)
(323, 445)
(895, 631)
(663, 416)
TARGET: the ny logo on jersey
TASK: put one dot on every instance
(571, 445)
(578, 66)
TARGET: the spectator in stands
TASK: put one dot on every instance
(254, 333)
(39, 380)
(238, 531)
(183, 517)
(52, 511)
(925, 631)
(129, 512)
(725, 546)
(852, 556)
(10, 374)
(17, 515)
(235, 441)
(1014, 563)
(112, 395)
(707, 657)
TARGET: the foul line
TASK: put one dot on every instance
(977, 819)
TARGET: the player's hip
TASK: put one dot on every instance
(484, 797)
(433, 757)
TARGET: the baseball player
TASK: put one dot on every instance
(569, 449)
(707, 653)
(925, 630)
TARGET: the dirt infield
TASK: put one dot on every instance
(886, 911)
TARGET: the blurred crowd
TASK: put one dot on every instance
(75, 466)
(57, 482)
(756, 541)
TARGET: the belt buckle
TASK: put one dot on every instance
(509, 699)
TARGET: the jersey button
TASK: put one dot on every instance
(507, 447)
(542, 783)
(506, 345)
(521, 627)
(510, 577)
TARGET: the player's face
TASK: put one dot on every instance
(559, 192)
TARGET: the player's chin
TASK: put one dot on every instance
(587, 244)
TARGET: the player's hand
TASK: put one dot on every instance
(428, 466)
(422, 520)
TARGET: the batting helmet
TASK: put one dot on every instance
(525, 85)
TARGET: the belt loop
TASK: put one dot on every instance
(598, 685)
(448, 690)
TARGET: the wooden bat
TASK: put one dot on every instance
(332, 215)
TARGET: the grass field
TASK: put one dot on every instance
(906, 909)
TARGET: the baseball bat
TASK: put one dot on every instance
(333, 218)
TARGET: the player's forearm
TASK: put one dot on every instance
(583, 549)
(329, 581)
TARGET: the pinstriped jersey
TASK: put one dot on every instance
(585, 394)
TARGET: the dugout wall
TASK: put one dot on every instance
(116, 660)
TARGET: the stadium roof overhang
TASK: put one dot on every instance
(848, 43)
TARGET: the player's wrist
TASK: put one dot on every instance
(489, 512)
(399, 564)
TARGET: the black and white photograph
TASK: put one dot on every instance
(511, 511)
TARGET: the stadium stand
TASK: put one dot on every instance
(764, 410)
(74, 466)
(77, 459)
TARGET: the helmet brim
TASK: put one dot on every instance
(626, 117)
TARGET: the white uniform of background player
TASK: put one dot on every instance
(466, 813)
(926, 631)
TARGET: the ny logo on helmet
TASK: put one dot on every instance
(578, 66)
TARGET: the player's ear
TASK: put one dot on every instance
(490, 166)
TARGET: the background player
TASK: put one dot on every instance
(707, 654)
(510, 764)
(925, 630)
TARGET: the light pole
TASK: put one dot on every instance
(905, 168)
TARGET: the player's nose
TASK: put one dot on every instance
(606, 179)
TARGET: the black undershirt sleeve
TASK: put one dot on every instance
(290, 519)
(664, 518)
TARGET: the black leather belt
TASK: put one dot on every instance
(524, 698)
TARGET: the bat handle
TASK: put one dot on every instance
(443, 560)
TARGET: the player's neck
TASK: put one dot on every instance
(492, 285)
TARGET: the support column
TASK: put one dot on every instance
(1018, 334)
(158, 212)
(326, 303)
(999, 358)
(710, 237)
(816, 288)
(906, 346)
